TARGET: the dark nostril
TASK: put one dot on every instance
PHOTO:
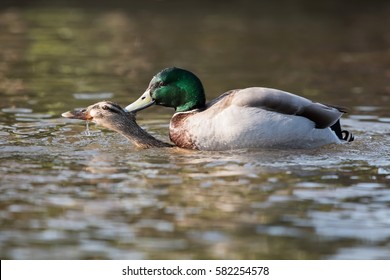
(143, 97)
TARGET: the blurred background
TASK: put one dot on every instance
(66, 195)
(318, 49)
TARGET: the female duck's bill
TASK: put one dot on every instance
(80, 114)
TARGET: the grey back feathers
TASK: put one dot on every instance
(286, 103)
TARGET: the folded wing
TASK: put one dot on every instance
(287, 103)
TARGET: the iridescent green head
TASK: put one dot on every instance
(172, 87)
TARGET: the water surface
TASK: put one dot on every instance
(67, 195)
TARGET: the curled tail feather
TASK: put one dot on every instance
(344, 135)
(347, 136)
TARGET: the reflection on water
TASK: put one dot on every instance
(65, 194)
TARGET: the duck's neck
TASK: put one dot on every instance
(138, 136)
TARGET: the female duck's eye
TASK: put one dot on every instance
(112, 108)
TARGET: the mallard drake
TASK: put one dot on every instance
(254, 117)
(112, 116)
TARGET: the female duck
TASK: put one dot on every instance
(112, 116)
(253, 117)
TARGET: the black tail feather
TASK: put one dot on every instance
(337, 129)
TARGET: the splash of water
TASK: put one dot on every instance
(87, 132)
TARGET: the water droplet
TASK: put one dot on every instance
(87, 132)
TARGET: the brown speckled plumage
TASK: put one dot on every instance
(177, 134)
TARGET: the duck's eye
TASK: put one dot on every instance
(112, 108)
(161, 84)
